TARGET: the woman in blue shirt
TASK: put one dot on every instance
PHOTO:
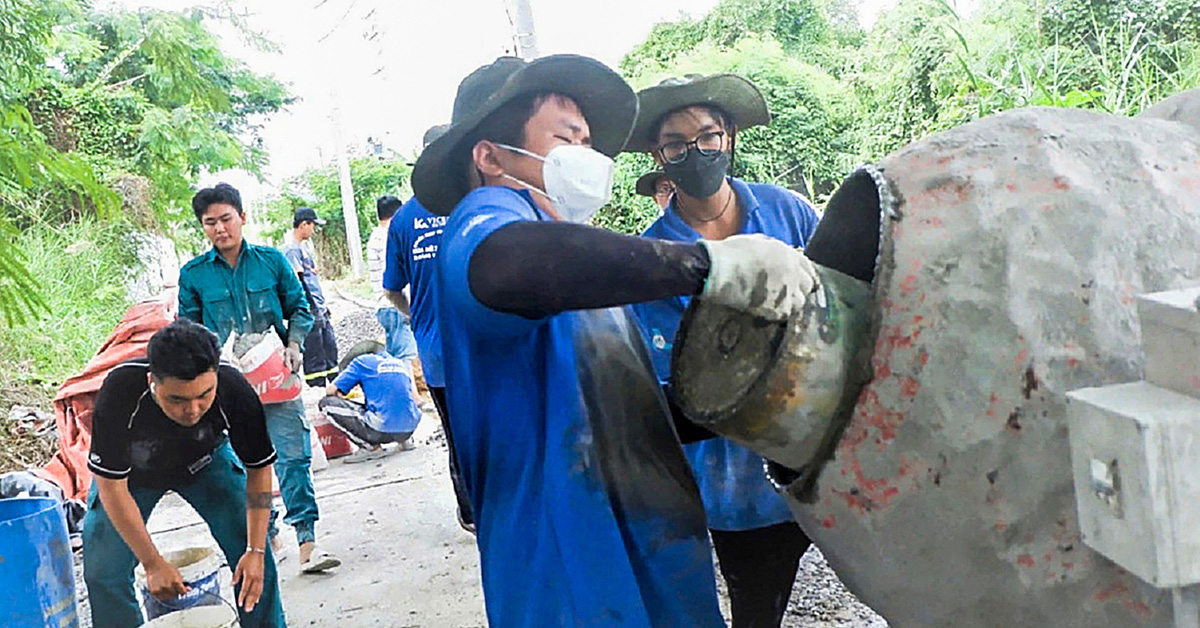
(688, 125)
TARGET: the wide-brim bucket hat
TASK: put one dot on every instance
(733, 94)
(645, 183)
(606, 100)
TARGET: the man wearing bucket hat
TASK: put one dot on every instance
(586, 510)
(655, 185)
(413, 239)
(178, 420)
(689, 125)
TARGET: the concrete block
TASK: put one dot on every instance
(1135, 449)
(1171, 339)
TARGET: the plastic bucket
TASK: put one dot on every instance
(199, 567)
(36, 572)
(199, 617)
(334, 442)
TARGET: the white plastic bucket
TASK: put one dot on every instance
(198, 567)
(197, 617)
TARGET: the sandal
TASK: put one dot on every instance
(319, 561)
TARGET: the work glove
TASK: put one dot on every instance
(758, 275)
(292, 358)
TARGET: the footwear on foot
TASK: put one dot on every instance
(463, 523)
(319, 561)
(366, 455)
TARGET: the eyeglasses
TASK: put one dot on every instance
(707, 143)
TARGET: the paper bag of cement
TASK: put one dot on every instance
(260, 358)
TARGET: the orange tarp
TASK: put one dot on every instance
(73, 404)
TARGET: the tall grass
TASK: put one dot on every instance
(82, 269)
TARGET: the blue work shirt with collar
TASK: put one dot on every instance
(413, 238)
(737, 495)
(299, 255)
(587, 512)
(260, 294)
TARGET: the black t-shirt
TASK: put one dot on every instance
(132, 437)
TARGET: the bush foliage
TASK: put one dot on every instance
(840, 96)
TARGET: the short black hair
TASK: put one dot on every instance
(505, 125)
(219, 193)
(386, 206)
(718, 114)
(183, 350)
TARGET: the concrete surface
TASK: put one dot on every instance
(1171, 340)
(1135, 449)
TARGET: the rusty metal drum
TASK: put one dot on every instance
(1005, 258)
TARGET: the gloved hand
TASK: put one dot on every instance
(759, 275)
(292, 358)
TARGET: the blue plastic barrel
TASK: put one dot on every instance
(36, 572)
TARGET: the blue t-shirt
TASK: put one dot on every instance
(736, 494)
(412, 250)
(302, 262)
(587, 512)
(387, 384)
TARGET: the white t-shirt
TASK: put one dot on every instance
(376, 257)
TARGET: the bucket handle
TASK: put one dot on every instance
(222, 600)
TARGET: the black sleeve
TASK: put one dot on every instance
(123, 388)
(247, 422)
(536, 269)
(688, 431)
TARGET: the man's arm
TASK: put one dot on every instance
(395, 267)
(294, 303)
(592, 268)
(347, 379)
(250, 569)
(162, 577)
(399, 300)
(189, 300)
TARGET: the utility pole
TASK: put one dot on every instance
(523, 31)
(349, 213)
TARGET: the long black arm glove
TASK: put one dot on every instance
(536, 269)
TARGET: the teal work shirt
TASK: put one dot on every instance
(261, 293)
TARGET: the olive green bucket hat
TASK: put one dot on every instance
(645, 183)
(733, 94)
(606, 100)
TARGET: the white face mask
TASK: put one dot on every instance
(578, 179)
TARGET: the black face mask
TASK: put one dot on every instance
(699, 176)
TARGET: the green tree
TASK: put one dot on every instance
(97, 101)
(26, 160)
(320, 189)
(152, 94)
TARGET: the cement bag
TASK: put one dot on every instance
(260, 358)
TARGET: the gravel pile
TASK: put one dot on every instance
(356, 325)
(820, 601)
